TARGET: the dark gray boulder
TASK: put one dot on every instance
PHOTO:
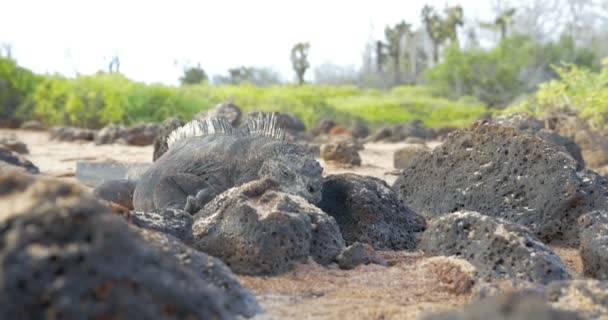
(381, 134)
(64, 256)
(594, 244)
(369, 211)
(501, 172)
(239, 300)
(497, 248)
(520, 121)
(109, 134)
(344, 152)
(323, 126)
(71, 134)
(357, 254)
(400, 132)
(32, 125)
(526, 123)
(258, 230)
(12, 161)
(359, 129)
(175, 222)
(12, 143)
(568, 144)
(512, 306)
(141, 134)
(160, 142)
(411, 129)
(226, 110)
(119, 192)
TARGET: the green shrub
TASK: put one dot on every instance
(16, 84)
(498, 76)
(96, 100)
(578, 91)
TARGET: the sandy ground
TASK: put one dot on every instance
(399, 291)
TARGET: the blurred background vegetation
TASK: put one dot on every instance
(447, 72)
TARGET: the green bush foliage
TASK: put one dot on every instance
(96, 100)
(579, 90)
(498, 76)
(93, 101)
(16, 85)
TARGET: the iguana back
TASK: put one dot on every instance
(206, 158)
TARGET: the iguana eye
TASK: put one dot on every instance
(285, 173)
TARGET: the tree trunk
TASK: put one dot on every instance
(397, 62)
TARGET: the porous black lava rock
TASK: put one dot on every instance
(381, 134)
(359, 129)
(141, 134)
(501, 172)
(32, 125)
(10, 160)
(116, 191)
(71, 134)
(323, 126)
(175, 222)
(160, 142)
(497, 248)
(411, 129)
(403, 131)
(14, 144)
(343, 152)
(589, 298)
(520, 121)
(369, 211)
(257, 230)
(239, 300)
(226, 110)
(512, 306)
(63, 256)
(109, 134)
(526, 123)
(357, 254)
(594, 244)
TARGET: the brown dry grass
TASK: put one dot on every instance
(367, 292)
(571, 258)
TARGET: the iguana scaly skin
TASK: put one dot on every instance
(206, 158)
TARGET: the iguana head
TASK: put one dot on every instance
(296, 174)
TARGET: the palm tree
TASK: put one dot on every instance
(454, 19)
(434, 28)
(502, 22)
(394, 38)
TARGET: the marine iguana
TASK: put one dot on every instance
(208, 157)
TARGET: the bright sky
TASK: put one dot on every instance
(148, 36)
